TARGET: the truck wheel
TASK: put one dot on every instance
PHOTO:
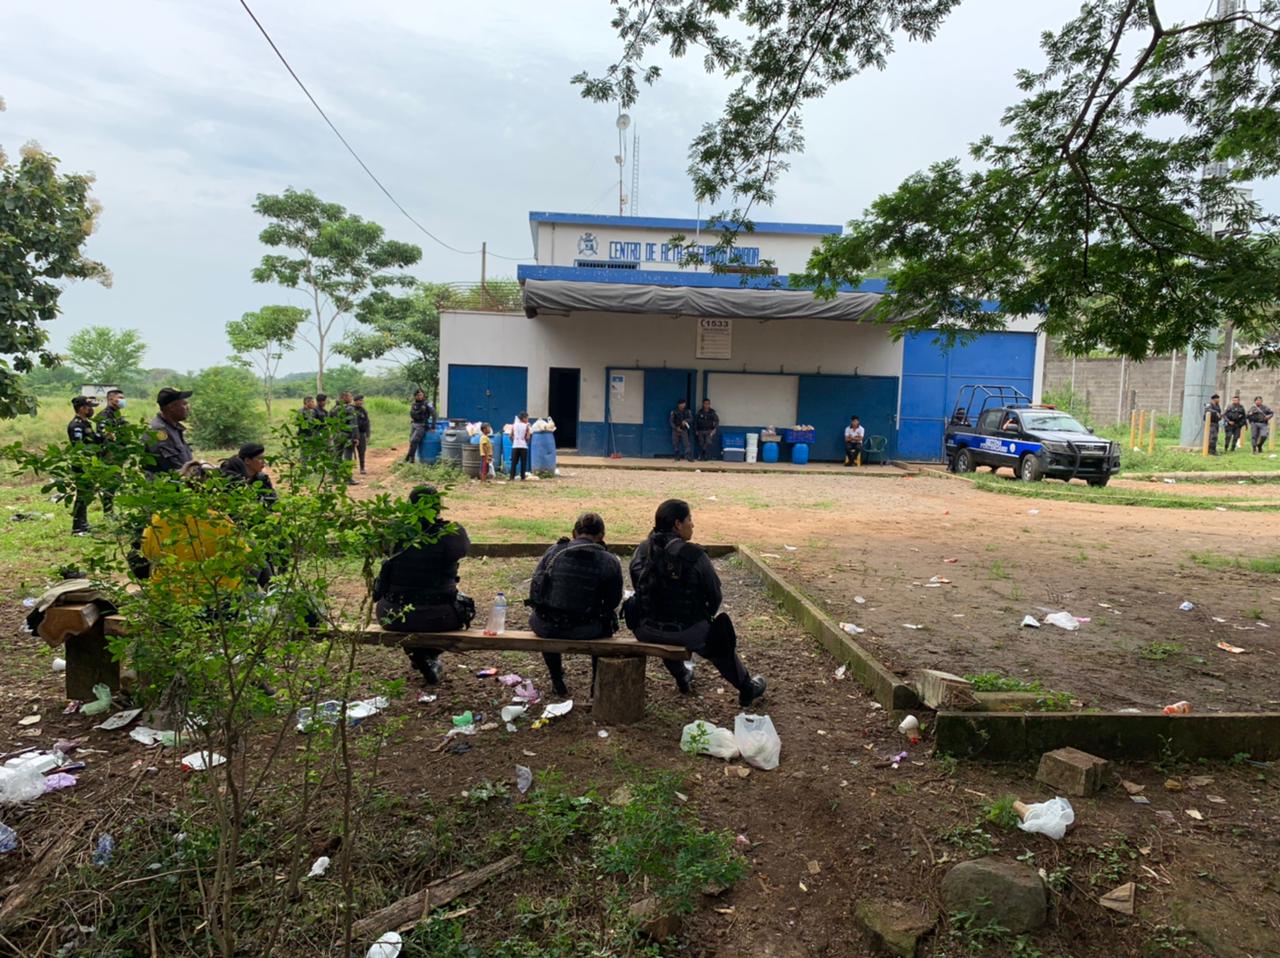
(1100, 482)
(1029, 469)
(964, 461)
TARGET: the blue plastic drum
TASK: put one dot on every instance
(542, 452)
(800, 454)
(429, 448)
(769, 452)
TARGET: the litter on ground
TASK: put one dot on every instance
(1063, 620)
(1030, 622)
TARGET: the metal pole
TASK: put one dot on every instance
(1120, 401)
(1173, 374)
(484, 262)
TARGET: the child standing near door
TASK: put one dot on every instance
(486, 452)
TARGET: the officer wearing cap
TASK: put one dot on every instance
(166, 440)
(1213, 409)
(111, 427)
(80, 431)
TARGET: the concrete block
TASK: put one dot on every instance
(896, 927)
(942, 690)
(1073, 772)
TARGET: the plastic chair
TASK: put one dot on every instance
(874, 447)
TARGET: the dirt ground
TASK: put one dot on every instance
(836, 824)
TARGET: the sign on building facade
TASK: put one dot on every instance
(715, 338)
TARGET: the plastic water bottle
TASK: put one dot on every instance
(8, 839)
(103, 851)
(497, 616)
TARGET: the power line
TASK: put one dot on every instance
(350, 149)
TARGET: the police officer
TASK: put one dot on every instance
(705, 424)
(681, 421)
(350, 436)
(1233, 420)
(1213, 409)
(417, 586)
(1260, 416)
(677, 599)
(82, 432)
(111, 427)
(422, 419)
(575, 593)
(166, 440)
(363, 429)
(249, 466)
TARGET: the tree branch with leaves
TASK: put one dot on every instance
(261, 339)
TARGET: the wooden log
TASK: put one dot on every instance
(618, 696)
(407, 912)
(89, 662)
(60, 622)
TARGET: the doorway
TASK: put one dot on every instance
(562, 404)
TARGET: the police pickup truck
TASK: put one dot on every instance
(1034, 441)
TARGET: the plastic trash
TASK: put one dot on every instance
(914, 628)
(1063, 620)
(319, 867)
(1030, 622)
(388, 946)
(22, 784)
(104, 850)
(29, 720)
(757, 740)
(524, 778)
(424, 697)
(199, 761)
(860, 600)
(557, 709)
(1177, 708)
(840, 672)
(716, 742)
(59, 665)
(119, 720)
(8, 839)
(510, 713)
(361, 709)
(851, 628)
(464, 719)
(525, 692)
(497, 623)
(150, 736)
(1186, 607)
(101, 701)
(910, 727)
(510, 679)
(1049, 818)
(58, 781)
(40, 761)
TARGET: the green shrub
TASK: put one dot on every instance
(225, 411)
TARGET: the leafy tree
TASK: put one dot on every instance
(1090, 210)
(262, 339)
(335, 256)
(405, 329)
(105, 355)
(45, 219)
(224, 409)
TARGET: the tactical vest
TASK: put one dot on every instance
(424, 571)
(668, 585)
(570, 581)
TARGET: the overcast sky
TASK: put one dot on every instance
(464, 111)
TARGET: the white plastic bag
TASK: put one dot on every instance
(1064, 620)
(1048, 818)
(22, 784)
(388, 946)
(757, 740)
(719, 742)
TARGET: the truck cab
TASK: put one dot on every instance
(997, 426)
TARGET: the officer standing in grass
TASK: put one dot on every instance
(1233, 419)
(575, 593)
(422, 419)
(363, 429)
(111, 427)
(1260, 416)
(1213, 408)
(81, 432)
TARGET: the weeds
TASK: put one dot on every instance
(1000, 812)
(972, 839)
(998, 570)
(1269, 565)
(1159, 651)
(973, 932)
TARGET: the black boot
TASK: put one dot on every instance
(754, 690)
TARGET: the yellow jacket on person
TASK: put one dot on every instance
(177, 547)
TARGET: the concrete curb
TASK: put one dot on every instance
(885, 687)
(750, 469)
(1005, 736)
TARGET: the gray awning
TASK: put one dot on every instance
(563, 296)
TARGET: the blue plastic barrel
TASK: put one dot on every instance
(542, 452)
(800, 454)
(429, 448)
(769, 452)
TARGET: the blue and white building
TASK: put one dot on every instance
(616, 327)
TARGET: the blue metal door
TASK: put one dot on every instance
(493, 394)
(932, 377)
(662, 387)
(827, 402)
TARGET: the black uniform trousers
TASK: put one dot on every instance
(715, 641)
(442, 617)
(555, 662)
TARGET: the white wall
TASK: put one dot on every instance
(594, 341)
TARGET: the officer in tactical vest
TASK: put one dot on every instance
(1213, 409)
(1233, 420)
(82, 432)
(575, 593)
(167, 441)
(677, 599)
(417, 586)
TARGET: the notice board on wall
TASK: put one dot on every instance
(753, 399)
(715, 338)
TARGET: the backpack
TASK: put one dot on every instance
(568, 582)
(667, 586)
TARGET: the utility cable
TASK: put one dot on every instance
(350, 149)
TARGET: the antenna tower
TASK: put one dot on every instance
(635, 171)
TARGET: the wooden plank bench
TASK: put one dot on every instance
(617, 698)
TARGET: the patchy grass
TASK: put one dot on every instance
(1269, 565)
(1046, 699)
(1159, 651)
(1112, 497)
